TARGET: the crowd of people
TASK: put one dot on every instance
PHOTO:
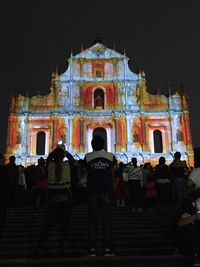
(150, 187)
(60, 181)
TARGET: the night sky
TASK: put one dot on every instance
(162, 37)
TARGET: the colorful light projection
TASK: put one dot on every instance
(98, 93)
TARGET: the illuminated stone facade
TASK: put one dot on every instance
(99, 94)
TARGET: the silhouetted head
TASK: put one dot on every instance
(121, 165)
(134, 161)
(97, 143)
(147, 165)
(177, 155)
(41, 161)
(12, 159)
(58, 154)
(162, 160)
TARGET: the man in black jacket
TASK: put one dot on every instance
(99, 165)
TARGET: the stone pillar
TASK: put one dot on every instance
(129, 131)
(188, 131)
(170, 134)
(116, 121)
(27, 133)
(174, 128)
(70, 136)
(67, 130)
(126, 95)
(124, 136)
(143, 122)
(54, 141)
(82, 134)
(23, 134)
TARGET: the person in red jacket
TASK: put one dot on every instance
(150, 191)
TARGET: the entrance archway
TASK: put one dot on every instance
(101, 132)
(40, 143)
(158, 144)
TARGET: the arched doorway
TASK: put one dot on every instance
(158, 144)
(40, 144)
(101, 132)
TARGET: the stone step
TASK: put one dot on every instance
(128, 261)
(136, 235)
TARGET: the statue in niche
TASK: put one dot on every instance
(98, 101)
(63, 138)
(98, 72)
(99, 98)
(121, 94)
(179, 136)
(137, 94)
(18, 138)
(135, 137)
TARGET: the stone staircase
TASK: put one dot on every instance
(140, 239)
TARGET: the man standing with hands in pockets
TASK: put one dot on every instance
(99, 164)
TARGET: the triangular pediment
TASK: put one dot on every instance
(97, 51)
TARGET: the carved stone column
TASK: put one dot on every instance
(116, 121)
(144, 141)
(70, 136)
(129, 130)
(23, 134)
(54, 130)
(81, 134)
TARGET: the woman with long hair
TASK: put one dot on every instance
(59, 195)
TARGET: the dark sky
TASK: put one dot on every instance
(160, 36)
